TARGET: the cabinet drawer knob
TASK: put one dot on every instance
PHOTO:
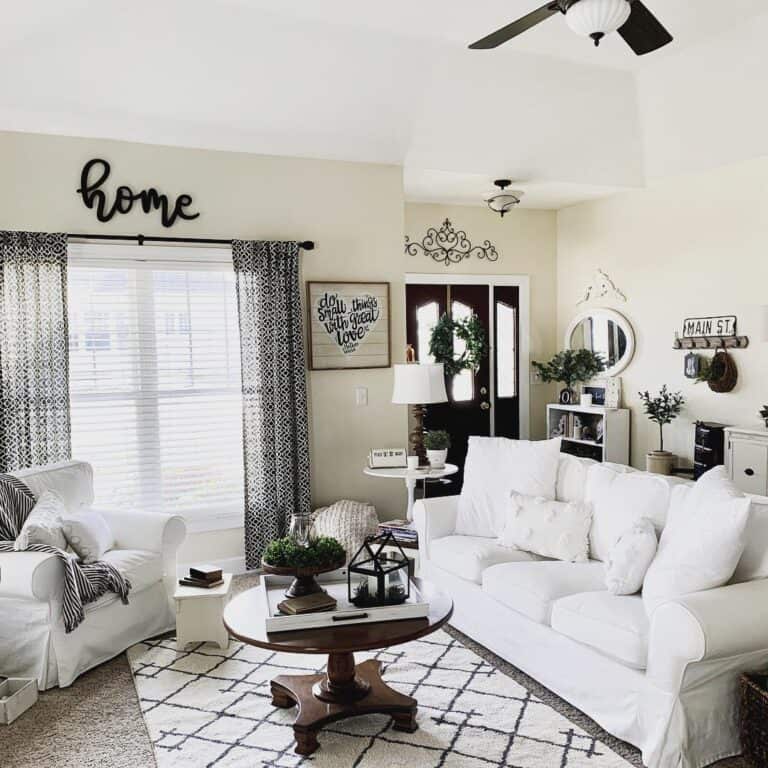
(749, 472)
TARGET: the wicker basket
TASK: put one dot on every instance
(753, 719)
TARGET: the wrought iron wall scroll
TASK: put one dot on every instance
(447, 246)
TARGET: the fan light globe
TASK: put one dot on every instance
(597, 18)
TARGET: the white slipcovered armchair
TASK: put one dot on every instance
(33, 642)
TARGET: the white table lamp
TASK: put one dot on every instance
(418, 385)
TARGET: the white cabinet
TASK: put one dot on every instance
(747, 459)
(607, 431)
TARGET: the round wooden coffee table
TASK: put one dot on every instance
(345, 689)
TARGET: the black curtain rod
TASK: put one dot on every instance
(307, 245)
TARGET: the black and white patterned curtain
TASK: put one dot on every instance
(275, 423)
(34, 355)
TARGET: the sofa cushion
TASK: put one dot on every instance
(495, 467)
(616, 625)
(469, 556)
(619, 501)
(572, 477)
(532, 588)
(142, 568)
(754, 562)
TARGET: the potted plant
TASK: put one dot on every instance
(286, 557)
(437, 442)
(662, 409)
(570, 367)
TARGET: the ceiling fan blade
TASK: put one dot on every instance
(643, 32)
(504, 34)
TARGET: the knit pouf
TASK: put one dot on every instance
(347, 521)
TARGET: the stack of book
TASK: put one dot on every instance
(402, 530)
(203, 576)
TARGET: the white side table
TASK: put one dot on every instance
(199, 614)
(411, 477)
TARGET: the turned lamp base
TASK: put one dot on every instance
(416, 435)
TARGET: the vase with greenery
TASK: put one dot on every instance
(437, 442)
(662, 409)
(287, 557)
(447, 332)
(570, 367)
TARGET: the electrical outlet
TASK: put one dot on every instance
(361, 395)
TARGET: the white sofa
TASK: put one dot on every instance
(668, 685)
(33, 642)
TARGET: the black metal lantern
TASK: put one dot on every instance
(376, 577)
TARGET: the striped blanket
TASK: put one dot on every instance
(82, 583)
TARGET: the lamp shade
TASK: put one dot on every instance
(597, 18)
(419, 384)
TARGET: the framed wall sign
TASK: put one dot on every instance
(348, 325)
(724, 325)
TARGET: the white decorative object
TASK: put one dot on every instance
(89, 535)
(199, 614)
(495, 467)
(605, 332)
(702, 542)
(555, 529)
(349, 522)
(348, 325)
(17, 695)
(411, 478)
(43, 525)
(33, 642)
(380, 458)
(630, 559)
(619, 501)
(413, 463)
(436, 458)
(586, 400)
(609, 430)
(597, 18)
(602, 287)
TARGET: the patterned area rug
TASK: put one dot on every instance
(205, 707)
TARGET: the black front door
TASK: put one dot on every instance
(483, 402)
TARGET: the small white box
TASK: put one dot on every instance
(17, 695)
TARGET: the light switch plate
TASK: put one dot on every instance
(361, 395)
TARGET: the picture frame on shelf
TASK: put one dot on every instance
(348, 325)
(606, 392)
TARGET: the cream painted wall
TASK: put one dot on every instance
(692, 246)
(527, 243)
(353, 211)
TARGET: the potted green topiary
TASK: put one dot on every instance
(662, 409)
(286, 557)
(437, 442)
(570, 367)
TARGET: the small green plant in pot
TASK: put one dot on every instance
(437, 442)
(662, 409)
(570, 367)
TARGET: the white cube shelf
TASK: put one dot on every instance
(615, 443)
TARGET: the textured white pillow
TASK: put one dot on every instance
(572, 477)
(44, 524)
(630, 559)
(556, 529)
(702, 542)
(619, 500)
(89, 535)
(495, 468)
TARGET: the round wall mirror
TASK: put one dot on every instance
(605, 332)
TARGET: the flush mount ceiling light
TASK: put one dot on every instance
(502, 201)
(597, 18)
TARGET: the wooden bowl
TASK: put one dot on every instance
(303, 578)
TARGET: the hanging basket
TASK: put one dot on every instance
(723, 373)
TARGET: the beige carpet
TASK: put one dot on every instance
(96, 722)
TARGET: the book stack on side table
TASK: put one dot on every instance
(403, 532)
(203, 576)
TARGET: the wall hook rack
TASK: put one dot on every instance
(712, 342)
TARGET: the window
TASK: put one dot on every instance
(155, 385)
(426, 320)
(506, 352)
(464, 382)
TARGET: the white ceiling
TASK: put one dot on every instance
(390, 83)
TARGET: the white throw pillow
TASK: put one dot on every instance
(495, 468)
(89, 535)
(754, 562)
(556, 529)
(43, 526)
(572, 477)
(702, 542)
(630, 559)
(619, 500)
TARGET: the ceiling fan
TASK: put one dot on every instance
(641, 30)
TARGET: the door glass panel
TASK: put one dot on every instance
(506, 338)
(464, 382)
(426, 320)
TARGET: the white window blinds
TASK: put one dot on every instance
(155, 385)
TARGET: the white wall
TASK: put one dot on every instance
(694, 246)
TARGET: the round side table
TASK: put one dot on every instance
(411, 477)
